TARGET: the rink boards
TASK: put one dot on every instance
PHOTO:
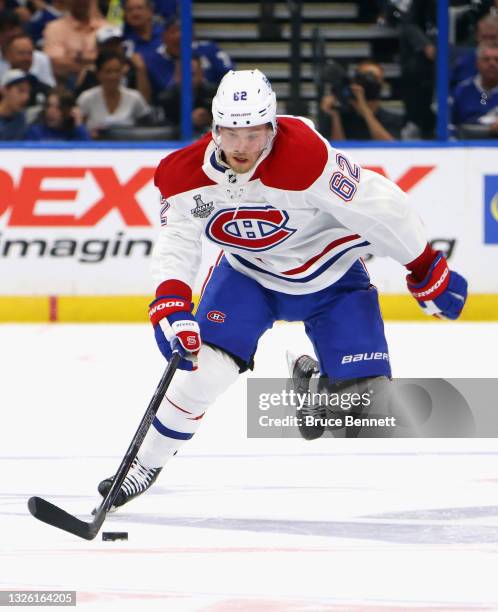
(77, 228)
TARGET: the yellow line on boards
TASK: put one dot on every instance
(133, 308)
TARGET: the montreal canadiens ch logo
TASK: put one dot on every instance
(252, 228)
(216, 316)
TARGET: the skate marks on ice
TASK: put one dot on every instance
(391, 503)
(419, 527)
(382, 531)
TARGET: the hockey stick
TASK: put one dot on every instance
(57, 517)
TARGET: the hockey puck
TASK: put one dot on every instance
(111, 536)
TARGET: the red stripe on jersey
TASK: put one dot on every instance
(329, 247)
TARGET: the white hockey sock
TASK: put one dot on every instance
(187, 399)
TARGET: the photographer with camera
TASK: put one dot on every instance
(354, 106)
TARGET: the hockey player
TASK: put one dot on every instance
(292, 216)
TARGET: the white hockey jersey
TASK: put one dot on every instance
(295, 222)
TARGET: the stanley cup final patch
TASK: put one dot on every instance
(202, 209)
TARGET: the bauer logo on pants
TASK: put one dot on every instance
(491, 209)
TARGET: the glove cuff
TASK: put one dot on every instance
(434, 284)
(174, 287)
(419, 267)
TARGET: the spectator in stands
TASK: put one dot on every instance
(111, 104)
(17, 55)
(170, 99)
(466, 64)
(215, 63)
(110, 38)
(469, 16)
(20, 53)
(475, 101)
(20, 7)
(70, 41)
(141, 32)
(165, 77)
(10, 26)
(15, 88)
(43, 14)
(60, 120)
(360, 115)
(164, 60)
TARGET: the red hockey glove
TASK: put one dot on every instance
(442, 292)
(174, 325)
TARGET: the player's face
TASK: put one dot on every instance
(243, 146)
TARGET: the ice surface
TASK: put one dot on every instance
(236, 524)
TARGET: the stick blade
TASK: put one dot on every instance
(57, 517)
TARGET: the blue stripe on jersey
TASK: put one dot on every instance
(305, 279)
(170, 433)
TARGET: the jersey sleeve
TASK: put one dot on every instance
(369, 205)
(177, 252)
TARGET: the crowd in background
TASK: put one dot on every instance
(353, 108)
(82, 69)
(79, 69)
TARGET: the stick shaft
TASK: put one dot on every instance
(139, 436)
(57, 517)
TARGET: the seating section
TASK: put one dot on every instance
(254, 39)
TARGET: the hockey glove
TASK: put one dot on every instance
(176, 329)
(442, 293)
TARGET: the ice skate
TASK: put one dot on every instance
(301, 370)
(137, 481)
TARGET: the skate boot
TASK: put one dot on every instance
(302, 369)
(137, 481)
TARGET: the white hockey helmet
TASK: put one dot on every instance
(244, 98)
